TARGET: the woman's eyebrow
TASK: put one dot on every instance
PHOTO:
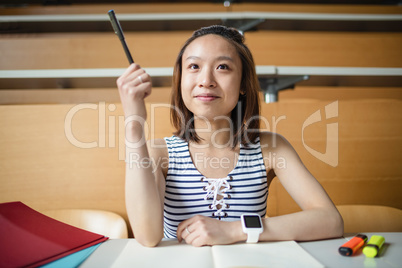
(193, 58)
(225, 58)
(218, 58)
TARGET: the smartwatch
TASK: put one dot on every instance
(252, 226)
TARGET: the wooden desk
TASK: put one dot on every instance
(323, 254)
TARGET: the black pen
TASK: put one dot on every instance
(117, 29)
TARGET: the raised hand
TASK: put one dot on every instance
(134, 86)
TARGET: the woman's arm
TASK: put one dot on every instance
(144, 185)
(144, 191)
(319, 218)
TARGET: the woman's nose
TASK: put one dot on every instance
(207, 79)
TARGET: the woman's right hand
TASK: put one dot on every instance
(134, 86)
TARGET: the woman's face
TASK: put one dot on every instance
(211, 77)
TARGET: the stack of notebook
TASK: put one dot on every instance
(31, 239)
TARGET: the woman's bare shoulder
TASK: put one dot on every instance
(273, 141)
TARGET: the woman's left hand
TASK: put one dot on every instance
(204, 231)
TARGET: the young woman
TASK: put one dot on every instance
(218, 165)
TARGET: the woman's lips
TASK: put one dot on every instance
(206, 97)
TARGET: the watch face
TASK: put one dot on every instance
(252, 222)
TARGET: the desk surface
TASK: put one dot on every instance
(326, 252)
(320, 253)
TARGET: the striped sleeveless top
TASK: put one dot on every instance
(189, 193)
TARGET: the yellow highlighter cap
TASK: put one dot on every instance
(370, 251)
(373, 246)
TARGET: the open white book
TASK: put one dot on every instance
(169, 253)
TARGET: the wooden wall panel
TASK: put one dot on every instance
(341, 93)
(118, 7)
(83, 50)
(52, 96)
(159, 49)
(319, 8)
(339, 49)
(200, 7)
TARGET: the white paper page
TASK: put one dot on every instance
(166, 254)
(265, 254)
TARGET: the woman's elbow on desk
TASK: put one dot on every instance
(149, 240)
(331, 225)
(338, 228)
(147, 234)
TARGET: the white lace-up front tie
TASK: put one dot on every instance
(217, 188)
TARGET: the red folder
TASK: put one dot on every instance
(30, 239)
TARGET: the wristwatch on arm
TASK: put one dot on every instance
(252, 226)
